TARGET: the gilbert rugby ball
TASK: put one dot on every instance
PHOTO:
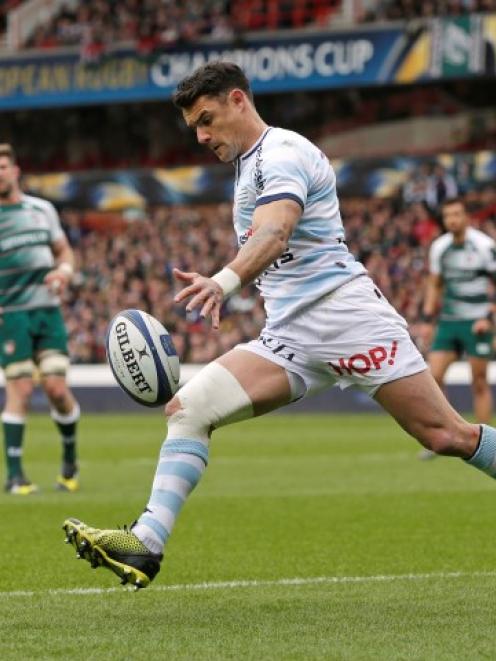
(142, 357)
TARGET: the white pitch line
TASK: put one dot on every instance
(223, 585)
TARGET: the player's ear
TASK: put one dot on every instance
(237, 97)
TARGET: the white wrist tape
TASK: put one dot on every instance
(66, 268)
(229, 281)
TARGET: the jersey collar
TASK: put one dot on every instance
(247, 154)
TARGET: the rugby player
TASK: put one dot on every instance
(36, 265)
(327, 323)
(462, 265)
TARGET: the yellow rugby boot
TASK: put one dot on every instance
(118, 550)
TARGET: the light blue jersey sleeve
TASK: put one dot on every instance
(285, 175)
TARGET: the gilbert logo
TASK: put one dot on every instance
(361, 363)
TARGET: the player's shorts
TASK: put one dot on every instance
(458, 336)
(351, 337)
(24, 334)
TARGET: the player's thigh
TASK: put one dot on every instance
(266, 383)
(439, 361)
(16, 342)
(418, 404)
(48, 330)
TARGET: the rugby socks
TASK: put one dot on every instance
(180, 467)
(13, 434)
(67, 424)
(484, 458)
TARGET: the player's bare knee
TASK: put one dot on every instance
(58, 394)
(20, 390)
(172, 407)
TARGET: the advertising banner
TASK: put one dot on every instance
(366, 56)
(124, 190)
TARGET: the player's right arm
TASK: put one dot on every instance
(273, 225)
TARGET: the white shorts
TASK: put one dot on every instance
(351, 337)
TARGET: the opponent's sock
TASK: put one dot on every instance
(67, 425)
(13, 434)
(484, 458)
(180, 467)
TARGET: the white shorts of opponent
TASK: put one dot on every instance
(351, 337)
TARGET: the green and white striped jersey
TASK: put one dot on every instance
(27, 230)
(466, 270)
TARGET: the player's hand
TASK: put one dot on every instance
(205, 292)
(57, 280)
(481, 326)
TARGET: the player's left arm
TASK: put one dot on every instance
(61, 275)
(273, 224)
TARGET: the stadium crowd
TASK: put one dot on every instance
(153, 25)
(134, 268)
(396, 10)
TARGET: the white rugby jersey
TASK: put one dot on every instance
(285, 165)
(466, 270)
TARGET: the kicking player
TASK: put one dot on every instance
(327, 323)
(36, 264)
(462, 264)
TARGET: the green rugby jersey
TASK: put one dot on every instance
(27, 230)
(466, 270)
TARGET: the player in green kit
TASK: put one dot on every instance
(462, 263)
(36, 265)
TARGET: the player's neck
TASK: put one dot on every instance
(459, 237)
(254, 133)
(13, 198)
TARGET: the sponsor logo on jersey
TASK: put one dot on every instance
(258, 177)
(25, 239)
(9, 347)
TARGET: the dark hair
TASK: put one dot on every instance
(8, 151)
(452, 200)
(212, 79)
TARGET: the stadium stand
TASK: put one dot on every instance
(134, 268)
(156, 24)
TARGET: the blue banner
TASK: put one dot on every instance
(121, 190)
(312, 61)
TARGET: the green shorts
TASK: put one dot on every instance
(24, 334)
(457, 336)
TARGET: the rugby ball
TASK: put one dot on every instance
(142, 357)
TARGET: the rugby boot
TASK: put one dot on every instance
(68, 478)
(118, 550)
(19, 485)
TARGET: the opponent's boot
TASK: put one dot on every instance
(19, 485)
(118, 550)
(68, 480)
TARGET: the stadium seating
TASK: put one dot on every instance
(134, 268)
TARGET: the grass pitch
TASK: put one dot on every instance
(309, 537)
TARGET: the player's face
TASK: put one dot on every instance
(9, 176)
(218, 123)
(455, 219)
